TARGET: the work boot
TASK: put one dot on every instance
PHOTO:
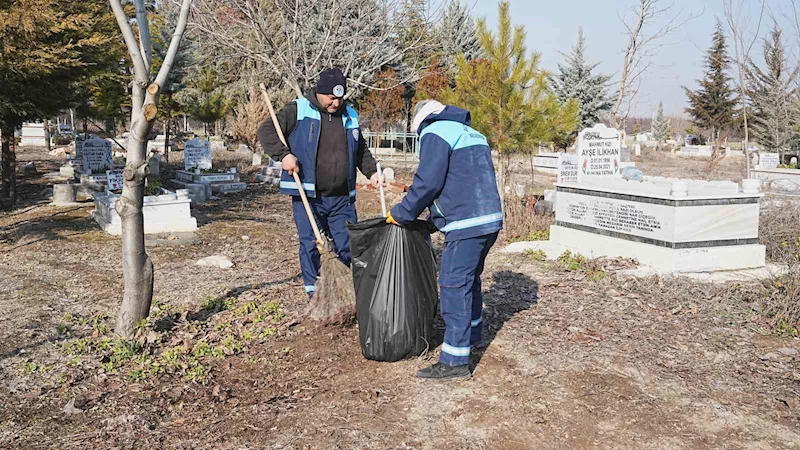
(441, 371)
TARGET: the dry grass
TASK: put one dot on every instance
(779, 231)
(667, 165)
(520, 222)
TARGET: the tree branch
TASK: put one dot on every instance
(139, 68)
(144, 34)
(174, 44)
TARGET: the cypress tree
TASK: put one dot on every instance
(712, 106)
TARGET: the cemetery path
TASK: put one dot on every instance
(572, 361)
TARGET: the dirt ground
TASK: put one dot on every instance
(572, 361)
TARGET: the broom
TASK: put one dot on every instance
(334, 302)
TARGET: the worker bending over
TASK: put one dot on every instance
(456, 181)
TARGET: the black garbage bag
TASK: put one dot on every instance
(394, 272)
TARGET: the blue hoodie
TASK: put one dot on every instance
(455, 179)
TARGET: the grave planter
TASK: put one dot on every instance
(671, 226)
(191, 177)
(169, 212)
(784, 181)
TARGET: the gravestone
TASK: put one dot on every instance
(598, 153)
(114, 179)
(769, 160)
(64, 194)
(638, 149)
(96, 156)
(793, 161)
(33, 134)
(625, 154)
(155, 167)
(257, 159)
(197, 154)
(754, 160)
(567, 169)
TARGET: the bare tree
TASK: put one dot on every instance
(645, 36)
(145, 90)
(738, 22)
(294, 40)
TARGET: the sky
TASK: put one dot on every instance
(552, 27)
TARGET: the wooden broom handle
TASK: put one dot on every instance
(296, 177)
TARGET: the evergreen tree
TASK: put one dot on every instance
(661, 126)
(712, 106)
(773, 96)
(414, 34)
(576, 80)
(205, 98)
(509, 95)
(457, 36)
(48, 49)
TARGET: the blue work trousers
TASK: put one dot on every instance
(332, 215)
(460, 296)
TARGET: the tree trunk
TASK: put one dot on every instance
(166, 126)
(502, 174)
(136, 265)
(47, 134)
(9, 165)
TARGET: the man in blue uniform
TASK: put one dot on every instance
(325, 147)
(456, 181)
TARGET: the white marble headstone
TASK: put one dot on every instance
(598, 153)
(197, 154)
(114, 179)
(567, 168)
(96, 155)
(769, 160)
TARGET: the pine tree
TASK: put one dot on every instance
(712, 106)
(48, 49)
(509, 95)
(661, 126)
(773, 96)
(205, 98)
(457, 36)
(576, 80)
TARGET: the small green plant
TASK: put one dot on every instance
(271, 331)
(247, 335)
(217, 304)
(121, 352)
(573, 263)
(153, 188)
(246, 309)
(64, 330)
(232, 344)
(786, 329)
(75, 347)
(196, 373)
(537, 255)
(28, 368)
(787, 166)
(99, 325)
(540, 235)
(570, 262)
(204, 350)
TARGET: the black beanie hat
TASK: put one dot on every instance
(332, 82)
